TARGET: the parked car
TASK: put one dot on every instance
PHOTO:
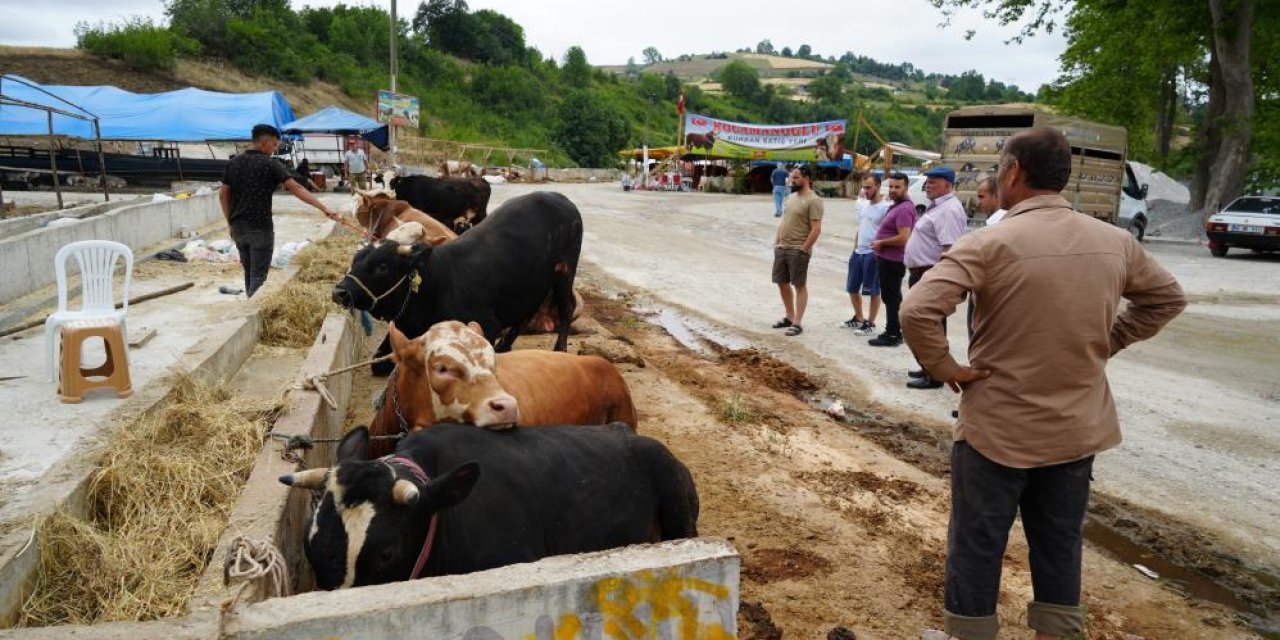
(1250, 222)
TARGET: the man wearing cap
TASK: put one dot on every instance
(941, 224)
(248, 184)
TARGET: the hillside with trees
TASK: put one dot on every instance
(1174, 83)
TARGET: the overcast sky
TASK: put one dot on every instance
(610, 32)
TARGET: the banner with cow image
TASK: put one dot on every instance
(808, 142)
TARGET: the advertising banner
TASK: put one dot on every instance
(812, 141)
(397, 110)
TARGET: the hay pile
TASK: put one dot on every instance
(158, 502)
(293, 313)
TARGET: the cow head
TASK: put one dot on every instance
(382, 277)
(459, 364)
(372, 518)
(411, 377)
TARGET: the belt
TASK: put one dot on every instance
(919, 269)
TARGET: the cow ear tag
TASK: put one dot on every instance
(415, 282)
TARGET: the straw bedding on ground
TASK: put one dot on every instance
(158, 502)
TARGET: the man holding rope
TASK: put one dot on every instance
(247, 186)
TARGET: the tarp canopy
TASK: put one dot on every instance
(185, 115)
(336, 120)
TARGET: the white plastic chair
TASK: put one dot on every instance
(97, 260)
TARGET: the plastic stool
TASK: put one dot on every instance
(114, 373)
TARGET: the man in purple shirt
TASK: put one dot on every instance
(889, 247)
(941, 224)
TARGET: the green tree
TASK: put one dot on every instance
(590, 129)
(136, 42)
(786, 52)
(576, 71)
(804, 51)
(1228, 29)
(826, 89)
(764, 46)
(740, 79)
(969, 87)
(651, 55)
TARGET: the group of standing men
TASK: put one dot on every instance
(1044, 289)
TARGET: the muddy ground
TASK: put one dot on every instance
(840, 524)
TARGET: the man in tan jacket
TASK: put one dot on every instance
(1035, 404)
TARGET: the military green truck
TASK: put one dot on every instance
(1102, 185)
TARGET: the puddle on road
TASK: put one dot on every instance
(695, 335)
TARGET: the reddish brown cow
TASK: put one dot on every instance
(451, 374)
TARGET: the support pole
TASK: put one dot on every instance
(53, 161)
(391, 128)
(102, 163)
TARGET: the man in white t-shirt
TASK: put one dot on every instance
(989, 200)
(356, 164)
(862, 279)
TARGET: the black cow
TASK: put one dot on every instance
(498, 274)
(543, 491)
(460, 203)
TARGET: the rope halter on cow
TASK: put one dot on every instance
(409, 494)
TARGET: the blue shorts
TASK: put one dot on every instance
(862, 274)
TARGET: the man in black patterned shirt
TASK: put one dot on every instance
(248, 184)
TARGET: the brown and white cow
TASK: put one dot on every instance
(458, 168)
(451, 374)
(380, 214)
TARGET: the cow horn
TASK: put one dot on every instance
(404, 249)
(404, 492)
(309, 479)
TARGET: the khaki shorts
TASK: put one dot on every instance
(790, 266)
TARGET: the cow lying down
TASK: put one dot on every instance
(492, 498)
(451, 374)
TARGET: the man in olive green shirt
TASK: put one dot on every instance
(792, 247)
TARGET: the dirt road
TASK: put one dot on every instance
(1198, 403)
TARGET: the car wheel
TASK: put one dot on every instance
(1218, 249)
(1139, 229)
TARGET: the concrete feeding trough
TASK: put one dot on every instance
(681, 589)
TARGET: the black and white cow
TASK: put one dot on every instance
(497, 275)
(501, 497)
(460, 203)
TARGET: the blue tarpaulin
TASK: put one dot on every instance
(337, 120)
(845, 162)
(186, 115)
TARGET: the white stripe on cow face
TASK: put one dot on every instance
(468, 355)
(355, 521)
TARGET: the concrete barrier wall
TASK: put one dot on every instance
(27, 259)
(649, 591)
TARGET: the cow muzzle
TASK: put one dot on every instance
(496, 412)
(342, 297)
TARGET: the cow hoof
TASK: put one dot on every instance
(382, 369)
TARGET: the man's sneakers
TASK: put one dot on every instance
(917, 374)
(861, 327)
(782, 324)
(885, 340)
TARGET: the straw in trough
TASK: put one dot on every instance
(292, 314)
(157, 502)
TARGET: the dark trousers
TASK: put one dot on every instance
(255, 249)
(912, 279)
(985, 498)
(890, 274)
